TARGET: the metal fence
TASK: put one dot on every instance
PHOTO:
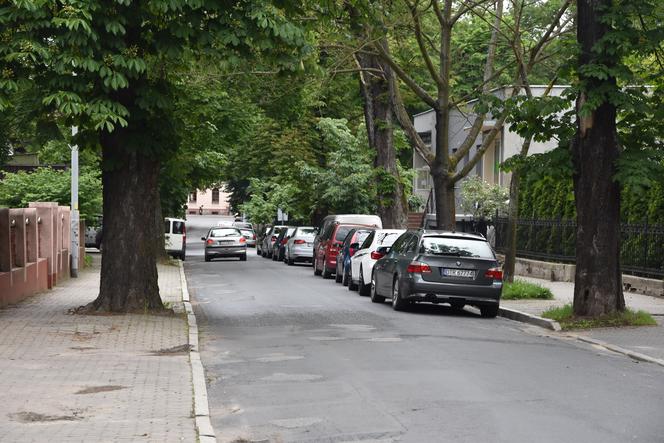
(642, 245)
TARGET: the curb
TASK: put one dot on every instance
(618, 349)
(524, 317)
(201, 408)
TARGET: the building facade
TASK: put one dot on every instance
(213, 201)
(506, 144)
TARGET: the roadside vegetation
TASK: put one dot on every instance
(565, 316)
(523, 290)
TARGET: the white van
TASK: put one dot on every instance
(175, 235)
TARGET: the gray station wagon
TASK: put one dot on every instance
(439, 267)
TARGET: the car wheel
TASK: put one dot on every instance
(364, 289)
(338, 276)
(207, 257)
(290, 262)
(489, 311)
(243, 257)
(258, 251)
(316, 270)
(183, 255)
(374, 295)
(346, 277)
(398, 304)
(274, 257)
(351, 285)
(326, 272)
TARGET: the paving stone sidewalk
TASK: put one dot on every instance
(648, 340)
(81, 378)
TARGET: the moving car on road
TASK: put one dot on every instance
(354, 238)
(439, 267)
(225, 242)
(362, 263)
(175, 237)
(299, 246)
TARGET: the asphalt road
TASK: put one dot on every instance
(291, 357)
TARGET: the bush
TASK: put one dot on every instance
(565, 316)
(523, 290)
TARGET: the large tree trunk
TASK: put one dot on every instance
(595, 150)
(445, 199)
(378, 115)
(131, 235)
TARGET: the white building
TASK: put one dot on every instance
(506, 144)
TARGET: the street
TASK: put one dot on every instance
(292, 357)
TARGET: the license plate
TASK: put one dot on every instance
(226, 242)
(458, 273)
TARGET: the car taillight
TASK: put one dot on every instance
(254, 237)
(284, 241)
(210, 241)
(334, 247)
(299, 242)
(377, 256)
(351, 251)
(416, 267)
(274, 238)
(243, 240)
(494, 273)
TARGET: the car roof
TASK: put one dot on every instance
(453, 234)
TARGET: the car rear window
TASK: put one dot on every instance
(277, 230)
(388, 238)
(224, 232)
(306, 231)
(361, 236)
(342, 232)
(456, 247)
(248, 232)
(178, 227)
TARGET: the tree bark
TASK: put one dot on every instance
(130, 182)
(595, 151)
(378, 115)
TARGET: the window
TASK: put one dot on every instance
(178, 227)
(215, 195)
(398, 245)
(456, 247)
(225, 232)
(342, 232)
(387, 238)
(167, 226)
(367, 241)
(192, 197)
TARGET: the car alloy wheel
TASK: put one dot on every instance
(398, 304)
(338, 276)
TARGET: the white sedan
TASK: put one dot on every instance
(362, 262)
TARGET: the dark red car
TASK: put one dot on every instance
(330, 241)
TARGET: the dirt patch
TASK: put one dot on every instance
(97, 389)
(175, 350)
(34, 417)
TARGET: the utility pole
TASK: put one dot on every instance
(75, 224)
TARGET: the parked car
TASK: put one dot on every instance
(259, 240)
(242, 225)
(280, 245)
(355, 237)
(362, 263)
(93, 233)
(175, 237)
(373, 221)
(250, 235)
(269, 239)
(439, 267)
(299, 246)
(325, 257)
(225, 242)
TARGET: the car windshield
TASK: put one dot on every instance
(387, 238)
(224, 232)
(457, 247)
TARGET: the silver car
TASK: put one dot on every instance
(300, 246)
(250, 235)
(225, 242)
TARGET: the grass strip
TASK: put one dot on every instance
(523, 290)
(565, 316)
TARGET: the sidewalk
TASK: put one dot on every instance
(95, 378)
(648, 340)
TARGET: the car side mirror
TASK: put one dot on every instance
(354, 246)
(384, 250)
(203, 238)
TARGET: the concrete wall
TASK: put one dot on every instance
(34, 250)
